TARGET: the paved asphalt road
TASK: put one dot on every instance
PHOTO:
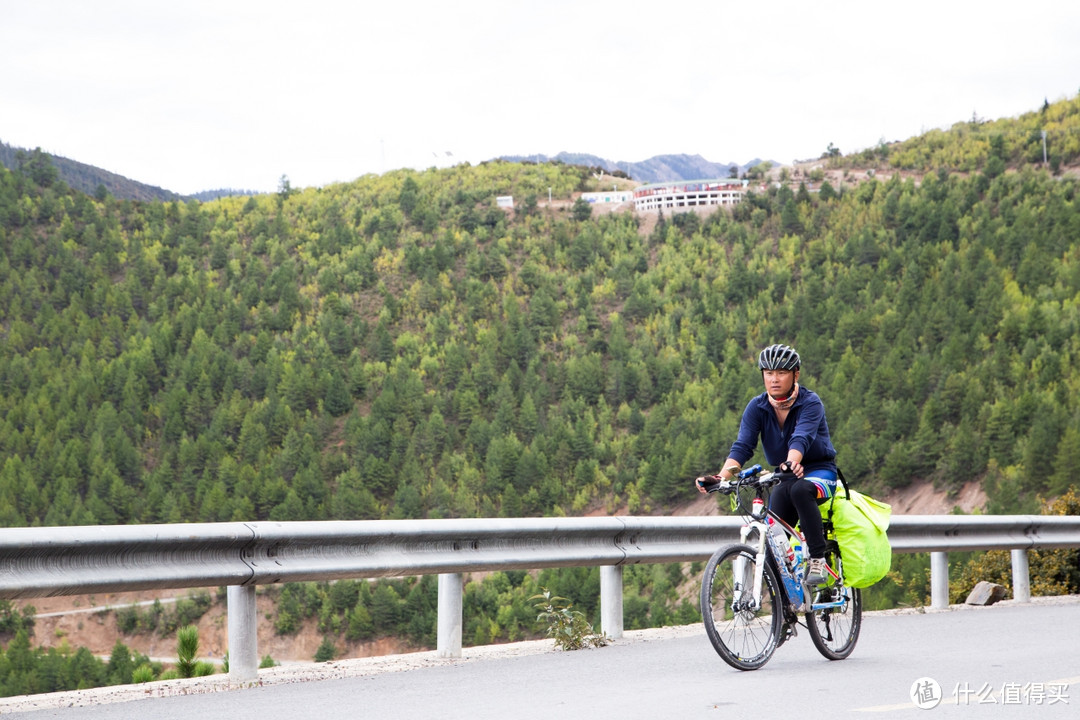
(1026, 658)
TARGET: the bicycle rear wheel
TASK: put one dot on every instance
(835, 631)
(744, 632)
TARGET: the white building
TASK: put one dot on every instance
(688, 193)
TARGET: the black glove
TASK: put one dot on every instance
(709, 483)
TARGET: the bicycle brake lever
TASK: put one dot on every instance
(723, 486)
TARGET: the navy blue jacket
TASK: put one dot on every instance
(804, 429)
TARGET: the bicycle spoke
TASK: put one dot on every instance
(742, 629)
(835, 630)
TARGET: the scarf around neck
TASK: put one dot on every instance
(787, 402)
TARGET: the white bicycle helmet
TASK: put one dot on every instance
(779, 357)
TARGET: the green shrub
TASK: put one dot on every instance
(187, 648)
(142, 674)
(326, 651)
(566, 626)
(1051, 571)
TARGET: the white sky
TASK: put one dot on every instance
(200, 95)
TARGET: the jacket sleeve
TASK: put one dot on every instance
(749, 429)
(806, 427)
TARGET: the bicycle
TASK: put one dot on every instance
(752, 592)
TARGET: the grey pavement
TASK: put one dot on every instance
(1005, 661)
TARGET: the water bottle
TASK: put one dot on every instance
(797, 558)
(781, 550)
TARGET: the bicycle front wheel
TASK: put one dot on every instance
(835, 630)
(742, 628)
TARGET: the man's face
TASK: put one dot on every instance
(779, 383)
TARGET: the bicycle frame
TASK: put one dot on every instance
(795, 590)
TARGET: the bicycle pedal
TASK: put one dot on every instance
(786, 633)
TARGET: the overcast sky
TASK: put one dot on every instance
(200, 95)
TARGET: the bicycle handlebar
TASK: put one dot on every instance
(750, 477)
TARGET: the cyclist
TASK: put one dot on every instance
(790, 420)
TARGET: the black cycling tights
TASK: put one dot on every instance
(796, 501)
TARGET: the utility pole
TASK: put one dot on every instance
(1044, 147)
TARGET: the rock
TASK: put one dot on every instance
(986, 593)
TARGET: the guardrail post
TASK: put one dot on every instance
(1020, 577)
(939, 580)
(243, 634)
(450, 609)
(611, 600)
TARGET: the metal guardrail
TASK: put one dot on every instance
(45, 562)
(42, 562)
(962, 533)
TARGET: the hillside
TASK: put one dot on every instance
(87, 178)
(401, 347)
(307, 355)
(1048, 137)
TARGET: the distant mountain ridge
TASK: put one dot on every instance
(659, 168)
(87, 178)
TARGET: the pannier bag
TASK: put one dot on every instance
(859, 524)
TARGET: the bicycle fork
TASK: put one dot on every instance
(748, 598)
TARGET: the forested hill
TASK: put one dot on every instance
(82, 177)
(1050, 134)
(400, 347)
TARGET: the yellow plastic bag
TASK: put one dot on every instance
(860, 524)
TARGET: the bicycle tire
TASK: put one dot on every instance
(745, 637)
(833, 631)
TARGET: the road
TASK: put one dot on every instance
(1023, 657)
